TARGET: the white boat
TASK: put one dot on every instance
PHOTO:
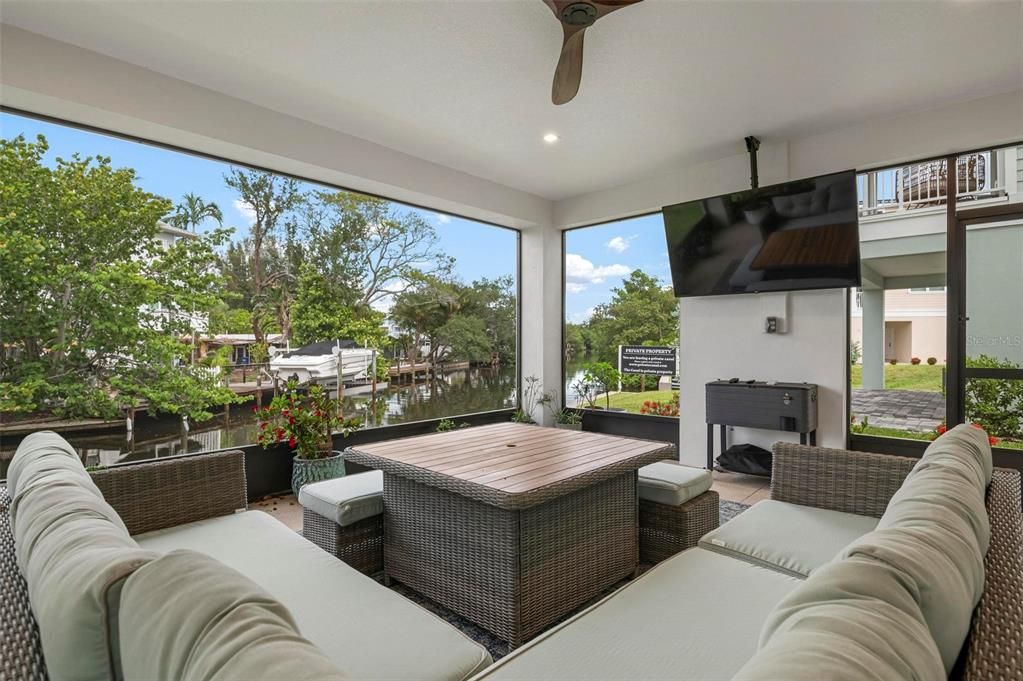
(318, 363)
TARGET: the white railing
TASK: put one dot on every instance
(925, 185)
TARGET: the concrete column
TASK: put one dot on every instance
(873, 338)
(540, 348)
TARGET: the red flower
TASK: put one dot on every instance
(292, 442)
(940, 430)
(291, 420)
(263, 425)
(255, 408)
(993, 441)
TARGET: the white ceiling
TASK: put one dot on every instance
(467, 83)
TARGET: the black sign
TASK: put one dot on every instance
(644, 359)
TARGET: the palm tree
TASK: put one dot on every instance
(192, 211)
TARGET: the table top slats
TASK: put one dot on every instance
(510, 465)
(562, 457)
(501, 452)
(411, 447)
(464, 449)
(540, 478)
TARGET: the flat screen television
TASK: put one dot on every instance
(785, 237)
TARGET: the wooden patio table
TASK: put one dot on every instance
(511, 526)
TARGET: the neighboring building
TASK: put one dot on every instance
(900, 311)
(914, 323)
(240, 344)
(167, 236)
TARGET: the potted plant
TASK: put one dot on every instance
(307, 424)
(606, 377)
(533, 398)
(566, 419)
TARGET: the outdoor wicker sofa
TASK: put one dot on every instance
(704, 613)
(196, 503)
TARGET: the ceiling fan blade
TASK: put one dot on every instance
(575, 16)
(570, 66)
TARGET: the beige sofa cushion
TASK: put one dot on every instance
(367, 630)
(852, 619)
(346, 500)
(673, 484)
(75, 553)
(936, 532)
(787, 537)
(187, 616)
(694, 616)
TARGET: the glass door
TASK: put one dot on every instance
(990, 321)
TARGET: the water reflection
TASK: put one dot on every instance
(459, 392)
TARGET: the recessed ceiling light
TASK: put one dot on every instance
(550, 138)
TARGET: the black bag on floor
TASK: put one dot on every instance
(748, 459)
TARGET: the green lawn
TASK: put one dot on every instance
(633, 401)
(905, 377)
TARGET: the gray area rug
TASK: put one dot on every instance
(499, 648)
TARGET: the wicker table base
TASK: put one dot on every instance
(512, 572)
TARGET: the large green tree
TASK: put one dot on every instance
(642, 311)
(271, 246)
(92, 307)
(323, 311)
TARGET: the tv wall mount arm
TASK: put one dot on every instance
(752, 146)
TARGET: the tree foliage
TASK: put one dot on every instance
(92, 307)
(322, 311)
(455, 321)
(193, 211)
(641, 312)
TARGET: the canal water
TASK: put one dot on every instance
(458, 392)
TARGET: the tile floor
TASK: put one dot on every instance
(744, 489)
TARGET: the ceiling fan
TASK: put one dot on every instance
(575, 16)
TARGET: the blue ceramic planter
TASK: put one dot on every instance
(305, 471)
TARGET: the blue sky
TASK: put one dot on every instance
(479, 250)
(597, 259)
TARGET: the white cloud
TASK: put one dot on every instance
(245, 210)
(442, 219)
(580, 272)
(580, 317)
(620, 243)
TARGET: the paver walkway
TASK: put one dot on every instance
(914, 410)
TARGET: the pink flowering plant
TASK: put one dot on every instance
(305, 422)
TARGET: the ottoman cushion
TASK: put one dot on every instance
(672, 484)
(346, 500)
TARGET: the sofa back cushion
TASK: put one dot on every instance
(852, 619)
(936, 531)
(74, 553)
(188, 616)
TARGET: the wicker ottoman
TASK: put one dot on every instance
(345, 517)
(676, 508)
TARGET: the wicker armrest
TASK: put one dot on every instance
(992, 650)
(836, 479)
(154, 495)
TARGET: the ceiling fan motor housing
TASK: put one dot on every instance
(579, 14)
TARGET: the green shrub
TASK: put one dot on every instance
(893, 362)
(995, 404)
(932, 360)
(914, 361)
(855, 352)
(631, 383)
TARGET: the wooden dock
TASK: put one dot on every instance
(403, 369)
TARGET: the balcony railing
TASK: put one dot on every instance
(925, 185)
